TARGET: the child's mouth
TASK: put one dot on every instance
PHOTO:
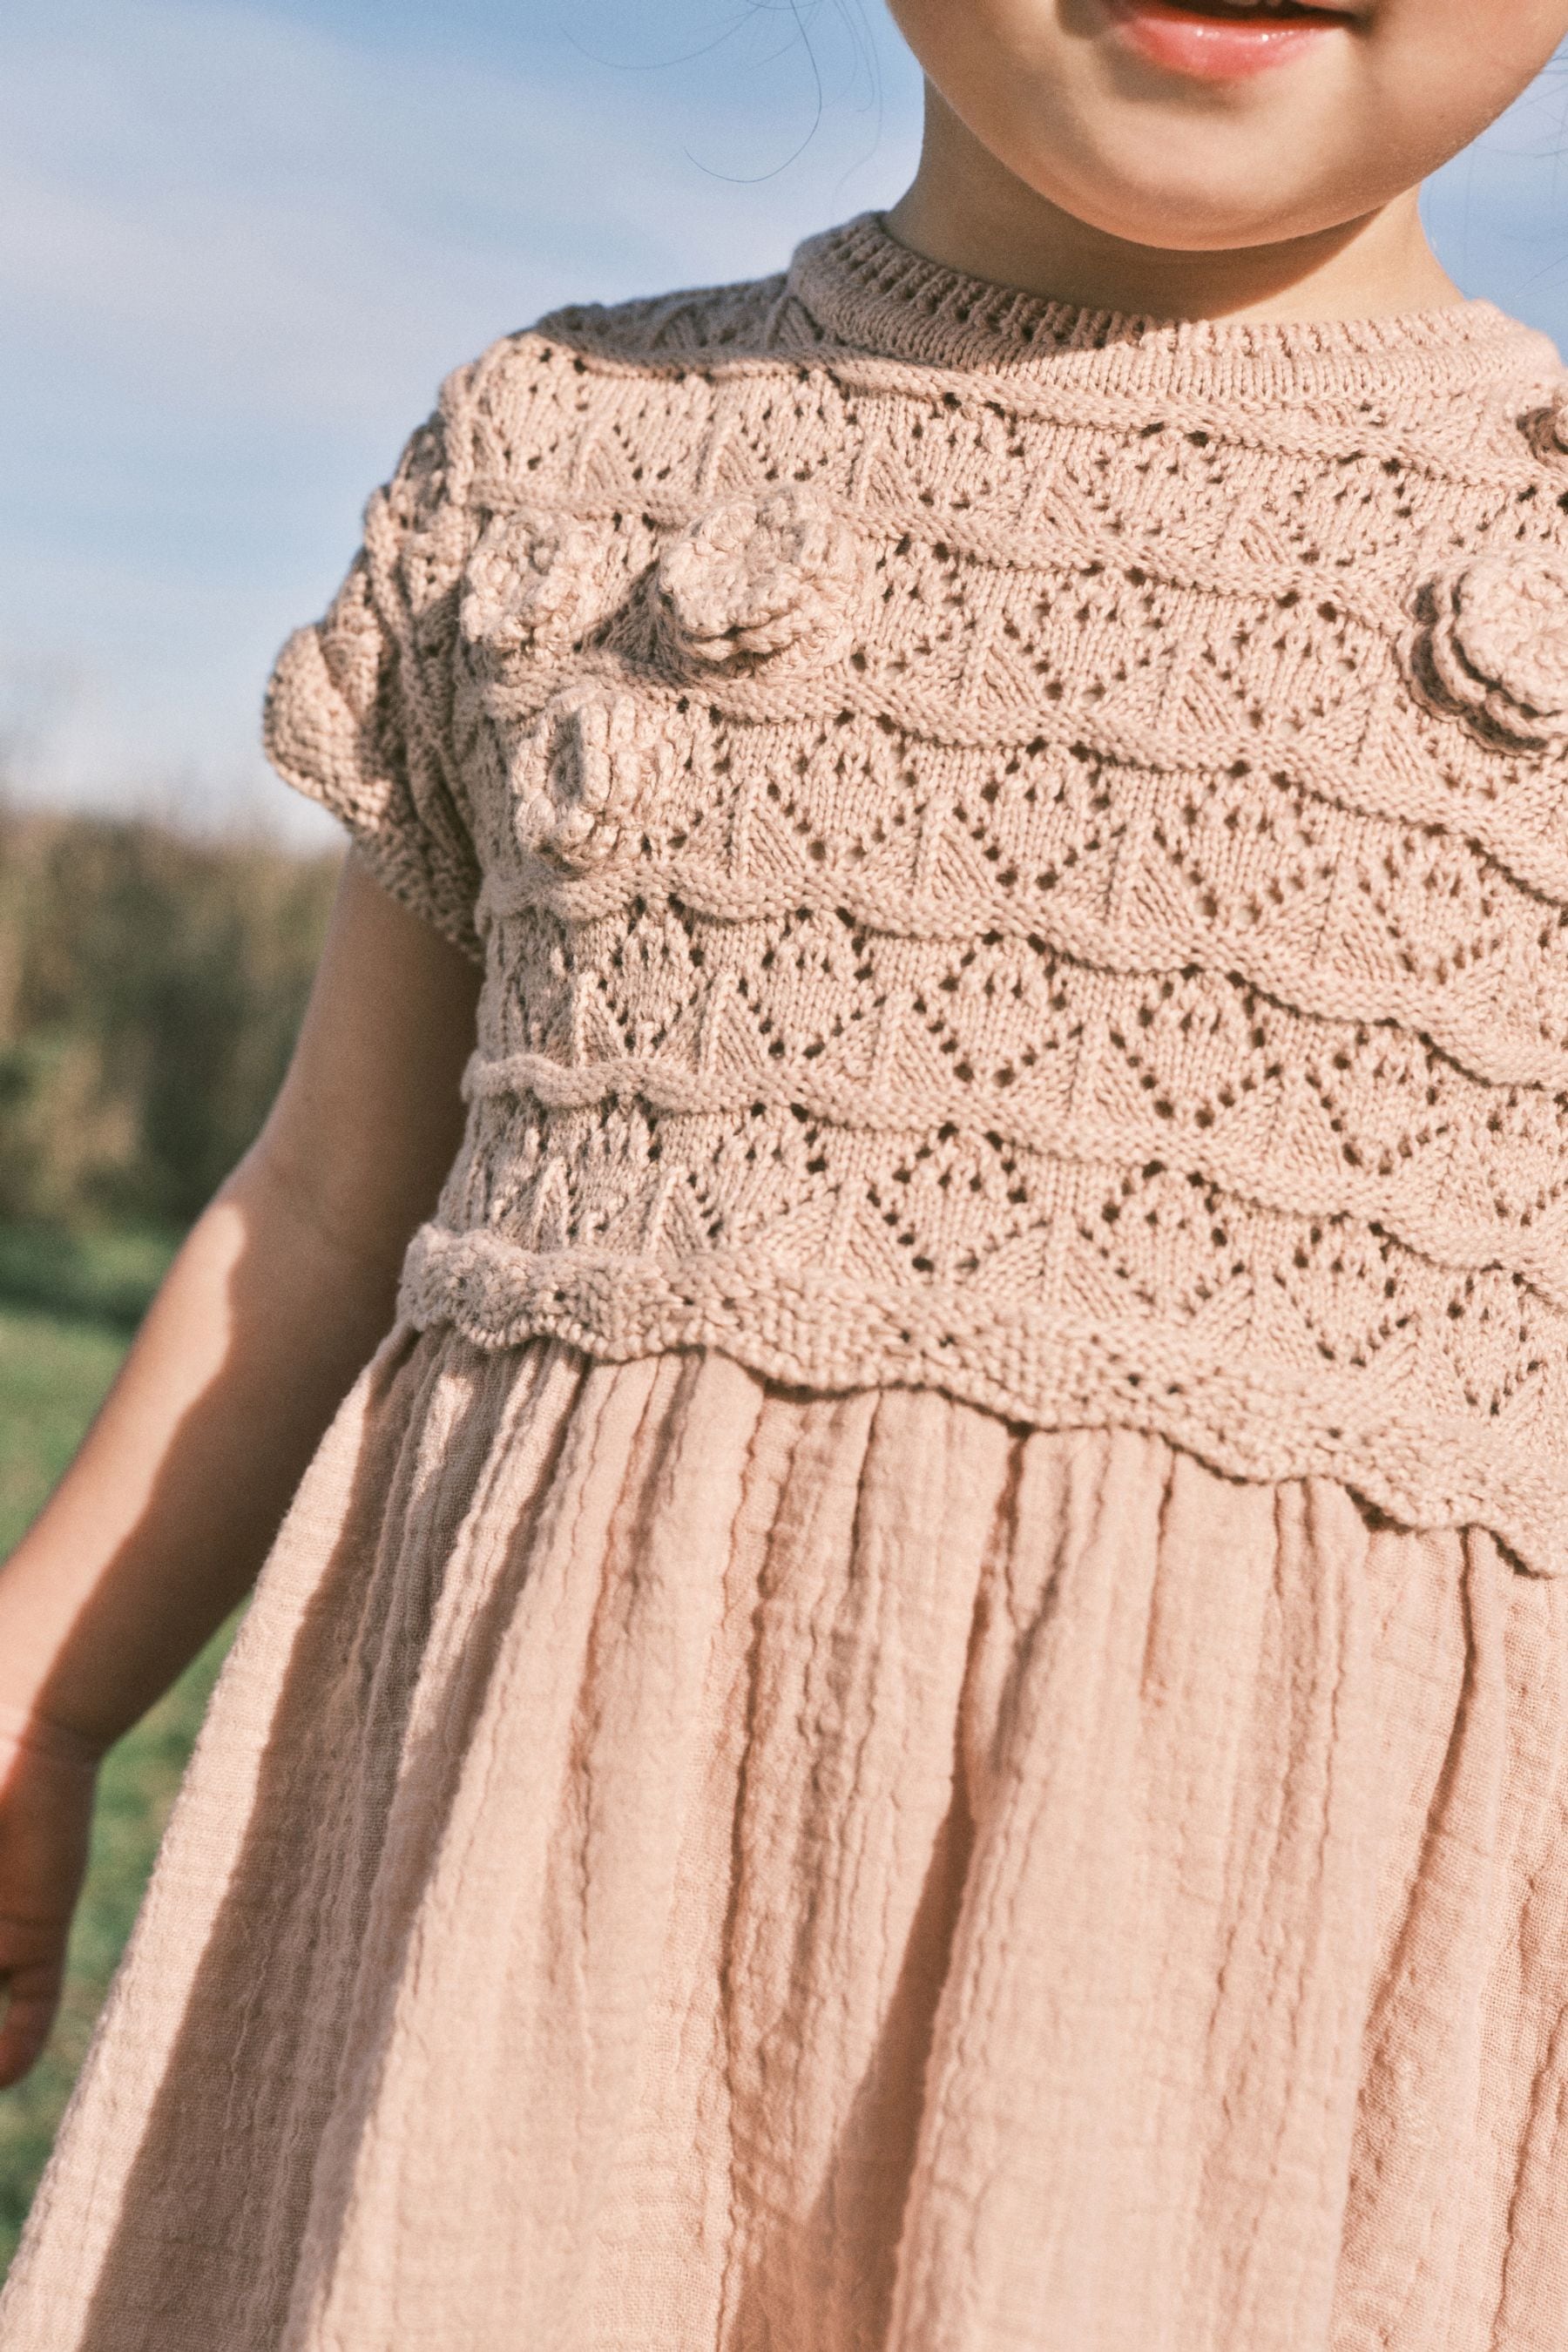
(1212, 40)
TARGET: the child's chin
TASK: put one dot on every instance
(1203, 187)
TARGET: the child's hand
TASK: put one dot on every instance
(45, 1812)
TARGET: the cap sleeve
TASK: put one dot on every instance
(358, 709)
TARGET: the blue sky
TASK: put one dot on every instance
(245, 238)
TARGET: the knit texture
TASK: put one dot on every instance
(1015, 850)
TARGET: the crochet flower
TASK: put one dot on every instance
(1494, 644)
(758, 577)
(1545, 428)
(535, 581)
(595, 756)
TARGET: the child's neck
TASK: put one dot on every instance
(965, 210)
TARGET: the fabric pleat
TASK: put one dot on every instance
(675, 1861)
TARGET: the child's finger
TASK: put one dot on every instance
(31, 1974)
(32, 1996)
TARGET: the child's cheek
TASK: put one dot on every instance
(1122, 113)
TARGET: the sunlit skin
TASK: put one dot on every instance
(1060, 156)
(279, 1294)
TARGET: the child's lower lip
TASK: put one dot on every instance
(1208, 48)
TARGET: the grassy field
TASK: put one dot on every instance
(66, 1309)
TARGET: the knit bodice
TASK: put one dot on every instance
(1013, 848)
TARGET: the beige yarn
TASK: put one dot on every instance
(531, 582)
(762, 577)
(1016, 850)
(1496, 642)
(580, 773)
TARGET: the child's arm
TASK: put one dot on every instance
(277, 1299)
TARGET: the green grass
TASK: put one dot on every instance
(103, 1278)
(54, 1369)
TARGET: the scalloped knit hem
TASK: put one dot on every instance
(826, 1332)
(678, 1863)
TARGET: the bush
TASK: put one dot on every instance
(151, 985)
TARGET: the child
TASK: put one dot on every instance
(920, 1700)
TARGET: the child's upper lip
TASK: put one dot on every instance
(1319, 7)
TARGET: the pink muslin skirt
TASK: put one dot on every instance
(676, 1863)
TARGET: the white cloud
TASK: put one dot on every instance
(247, 198)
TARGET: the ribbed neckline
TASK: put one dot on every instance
(866, 290)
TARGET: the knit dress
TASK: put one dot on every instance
(920, 1703)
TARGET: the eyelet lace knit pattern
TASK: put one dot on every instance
(1013, 849)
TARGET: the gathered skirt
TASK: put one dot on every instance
(676, 1862)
